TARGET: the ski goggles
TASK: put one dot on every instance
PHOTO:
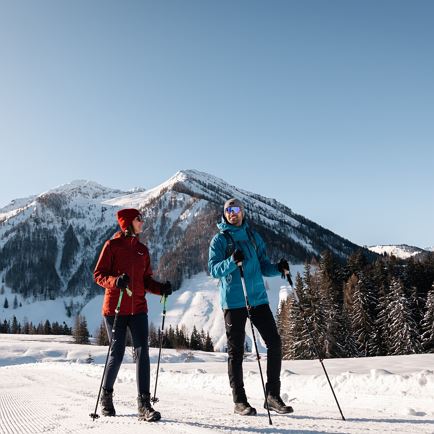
(233, 209)
(139, 218)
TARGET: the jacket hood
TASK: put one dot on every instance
(225, 226)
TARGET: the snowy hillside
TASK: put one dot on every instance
(47, 386)
(402, 251)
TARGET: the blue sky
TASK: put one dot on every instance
(326, 106)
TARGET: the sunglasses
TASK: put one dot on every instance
(233, 209)
(139, 218)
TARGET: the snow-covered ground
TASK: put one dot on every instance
(47, 386)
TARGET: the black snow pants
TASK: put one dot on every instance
(263, 320)
(138, 325)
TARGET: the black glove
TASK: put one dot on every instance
(166, 289)
(283, 266)
(122, 281)
(238, 256)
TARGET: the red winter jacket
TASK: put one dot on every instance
(125, 255)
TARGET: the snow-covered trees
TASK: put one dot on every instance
(360, 309)
(428, 323)
(80, 332)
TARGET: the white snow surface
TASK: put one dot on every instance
(402, 251)
(46, 386)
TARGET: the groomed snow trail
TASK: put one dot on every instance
(58, 397)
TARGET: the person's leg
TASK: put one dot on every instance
(263, 320)
(138, 325)
(235, 322)
(114, 362)
(117, 349)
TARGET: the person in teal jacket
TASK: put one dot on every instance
(237, 242)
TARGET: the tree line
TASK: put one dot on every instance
(360, 308)
(28, 328)
(178, 338)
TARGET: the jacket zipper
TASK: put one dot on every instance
(132, 295)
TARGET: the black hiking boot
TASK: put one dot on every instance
(146, 412)
(276, 404)
(244, 409)
(107, 403)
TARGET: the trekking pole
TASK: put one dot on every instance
(163, 299)
(288, 276)
(95, 415)
(248, 307)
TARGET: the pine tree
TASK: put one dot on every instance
(359, 304)
(302, 345)
(6, 328)
(15, 327)
(315, 310)
(26, 328)
(428, 323)
(208, 343)
(101, 335)
(80, 331)
(66, 330)
(153, 336)
(404, 338)
(47, 328)
(283, 328)
(202, 340)
(6, 303)
(195, 339)
(15, 303)
(331, 295)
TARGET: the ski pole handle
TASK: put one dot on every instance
(240, 267)
(288, 276)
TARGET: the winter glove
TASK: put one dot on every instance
(166, 289)
(238, 256)
(283, 266)
(122, 281)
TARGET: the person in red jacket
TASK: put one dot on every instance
(124, 263)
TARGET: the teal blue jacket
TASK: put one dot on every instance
(256, 264)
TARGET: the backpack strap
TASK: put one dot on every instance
(230, 242)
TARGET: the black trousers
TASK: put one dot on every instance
(263, 320)
(138, 325)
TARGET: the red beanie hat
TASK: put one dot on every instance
(126, 216)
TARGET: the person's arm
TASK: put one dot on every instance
(102, 274)
(218, 265)
(150, 284)
(267, 268)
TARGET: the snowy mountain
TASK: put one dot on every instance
(402, 251)
(56, 237)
